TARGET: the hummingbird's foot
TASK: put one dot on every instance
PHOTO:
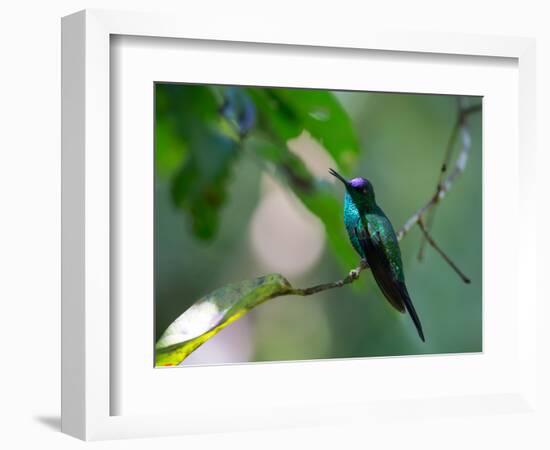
(354, 274)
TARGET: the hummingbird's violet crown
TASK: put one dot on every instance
(358, 183)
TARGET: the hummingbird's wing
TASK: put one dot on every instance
(384, 258)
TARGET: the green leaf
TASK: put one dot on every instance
(214, 312)
(275, 117)
(287, 112)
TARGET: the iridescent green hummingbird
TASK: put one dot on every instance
(373, 238)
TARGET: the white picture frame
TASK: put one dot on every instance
(88, 327)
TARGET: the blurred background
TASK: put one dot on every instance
(242, 190)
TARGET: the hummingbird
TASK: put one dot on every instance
(373, 238)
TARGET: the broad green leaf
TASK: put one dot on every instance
(325, 118)
(214, 312)
(275, 117)
(287, 112)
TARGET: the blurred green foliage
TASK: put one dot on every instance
(212, 145)
(213, 126)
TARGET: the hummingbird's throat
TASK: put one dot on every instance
(363, 202)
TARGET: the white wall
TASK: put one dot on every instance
(30, 197)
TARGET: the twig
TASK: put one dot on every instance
(429, 225)
(352, 276)
(430, 240)
(442, 172)
(445, 185)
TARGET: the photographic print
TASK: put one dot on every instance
(306, 224)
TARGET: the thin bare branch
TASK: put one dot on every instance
(447, 259)
(443, 170)
(352, 276)
(429, 225)
(446, 184)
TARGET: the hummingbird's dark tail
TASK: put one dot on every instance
(410, 309)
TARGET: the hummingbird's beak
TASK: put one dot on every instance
(337, 175)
